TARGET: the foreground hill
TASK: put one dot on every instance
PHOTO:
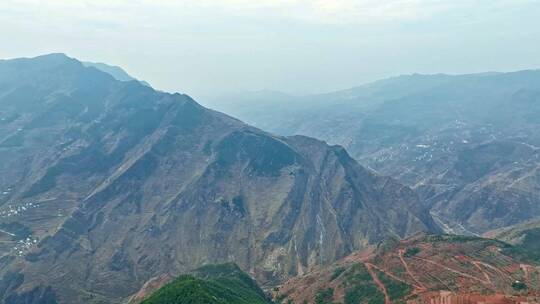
(468, 143)
(109, 184)
(422, 269)
(524, 237)
(212, 284)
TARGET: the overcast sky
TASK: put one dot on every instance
(298, 46)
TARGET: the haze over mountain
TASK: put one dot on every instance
(469, 144)
(115, 71)
(107, 184)
(299, 46)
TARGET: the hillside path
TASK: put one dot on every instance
(419, 285)
(378, 282)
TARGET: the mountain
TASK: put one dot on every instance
(422, 269)
(211, 284)
(115, 71)
(108, 185)
(467, 143)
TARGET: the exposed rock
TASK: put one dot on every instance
(131, 183)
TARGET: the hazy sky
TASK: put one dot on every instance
(297, 46)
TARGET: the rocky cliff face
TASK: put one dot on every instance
(107, 184)
(467, 143)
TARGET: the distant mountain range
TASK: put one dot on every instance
(117, 72)
(107, 185)
(468, 144)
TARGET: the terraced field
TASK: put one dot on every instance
(423, 269)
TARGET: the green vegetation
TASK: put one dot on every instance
(529, 248)
(360, 287)
(337, 272)
(356, 274)
(364, 294)
(519, 286)
(451, 238)
(389, 244)
(411, 251)
(324, 296)
(215, 284)
(396, 290)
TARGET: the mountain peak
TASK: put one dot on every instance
(39, 64)
(48, 59)
(59, 55)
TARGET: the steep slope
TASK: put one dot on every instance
(422, 269)
(109, 184)
(468, 143)
(212, 284)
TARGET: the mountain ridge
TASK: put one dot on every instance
(466, 143)
(131, 183)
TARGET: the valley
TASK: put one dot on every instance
(466, 143)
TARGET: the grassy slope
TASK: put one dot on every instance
(218, 284)
(529, 247)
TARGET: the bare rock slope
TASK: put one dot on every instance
(107, 184)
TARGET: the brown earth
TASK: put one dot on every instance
(149, 287)
(427, 269)
(447, 297)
